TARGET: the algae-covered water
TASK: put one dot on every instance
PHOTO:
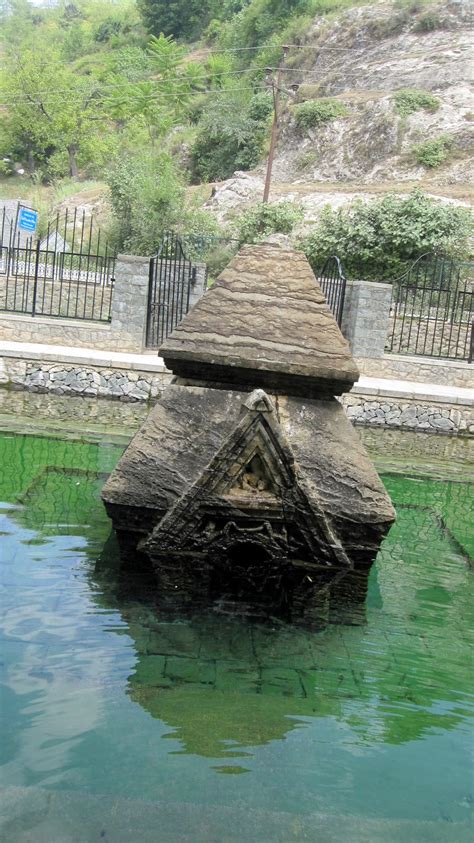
(124, 727)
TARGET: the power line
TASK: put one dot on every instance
(157, 96)
(116, 85)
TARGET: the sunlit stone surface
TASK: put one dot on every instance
(247, 481)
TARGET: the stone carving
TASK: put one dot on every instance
(251, 491)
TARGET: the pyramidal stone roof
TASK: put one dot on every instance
(264, 323)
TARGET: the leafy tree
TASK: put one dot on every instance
(50, 109)
(181, 18)
(231, 136)
(379, 239)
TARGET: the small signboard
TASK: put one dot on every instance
(27, 220)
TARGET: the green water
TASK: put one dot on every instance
(123, 727)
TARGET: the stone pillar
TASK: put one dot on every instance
(200, 283)
(366, 317)
(129, 302)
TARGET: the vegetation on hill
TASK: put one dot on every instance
(114, 90)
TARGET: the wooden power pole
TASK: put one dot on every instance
(276, 89)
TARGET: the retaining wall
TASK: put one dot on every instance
(141, 378)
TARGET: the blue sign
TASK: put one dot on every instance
(27, 220)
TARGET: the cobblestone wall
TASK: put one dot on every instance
(410, 415)
(64, 379)
(125, 385)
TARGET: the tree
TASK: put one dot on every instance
(51, 110)
(181, 18)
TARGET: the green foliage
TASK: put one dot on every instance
(428, 22)
(261, 220)
(432, 153)
(409, 100)
(180, 18)
(390, 26)
(378, 239)
(261, 107)
(312, 113)
(146, 197)
(231, 136)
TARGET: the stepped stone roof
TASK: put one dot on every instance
(265, 322)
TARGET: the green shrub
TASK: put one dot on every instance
(146, 197)
(432, 153)
(428, 22)
(409, 100)
(217, 154)
(261, 220)
(231, 136)
(261, 106)
(379, 239)
(312, 113)
(388, 27)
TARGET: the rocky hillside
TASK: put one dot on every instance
(381, 138)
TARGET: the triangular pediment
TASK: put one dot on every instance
(251, 479)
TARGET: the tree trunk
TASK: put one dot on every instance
(31, 163)
(72, 151)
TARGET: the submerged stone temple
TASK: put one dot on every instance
(247, 481)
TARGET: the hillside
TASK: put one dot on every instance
(361, 60)
(146, 132)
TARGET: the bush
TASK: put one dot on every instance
(217, 154)
(264, 219)
(388, 27)
(379, 239)
(261, 106)
(428, 22)
(432, 153)
(409, 100)
(312, 113)
(146, 198)
(231, 136)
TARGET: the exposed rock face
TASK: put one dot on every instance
(362, 58)
(240, 491)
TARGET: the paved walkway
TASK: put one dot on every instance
(150, 362)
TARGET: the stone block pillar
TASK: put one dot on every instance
(129, 302)
(200, 283)
(366, 317)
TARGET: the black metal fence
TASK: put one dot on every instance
(432, 310)
(332, 281)
(68, 272)
(171, 278)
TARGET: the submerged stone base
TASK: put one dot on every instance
(236, 495)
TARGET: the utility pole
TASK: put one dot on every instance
(276, 89)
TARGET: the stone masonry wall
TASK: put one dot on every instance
(124, 385)
(420, 369)
(87, 380)
(409, 414)
(365, 317)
